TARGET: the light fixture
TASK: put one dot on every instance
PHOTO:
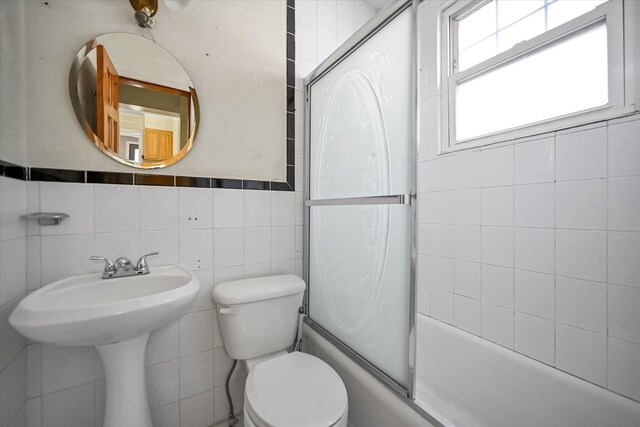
(144, 10)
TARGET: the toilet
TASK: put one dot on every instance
(258, 320)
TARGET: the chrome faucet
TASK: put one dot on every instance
(123, 267)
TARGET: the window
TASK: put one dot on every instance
(514, 68)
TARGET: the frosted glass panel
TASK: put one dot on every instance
(361, 117)
(359, 281)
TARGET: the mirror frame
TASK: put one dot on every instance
(77, 108)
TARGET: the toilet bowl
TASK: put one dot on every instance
(258, 322)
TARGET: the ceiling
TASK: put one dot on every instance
(378, 4)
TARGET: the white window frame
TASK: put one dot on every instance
(623, 59)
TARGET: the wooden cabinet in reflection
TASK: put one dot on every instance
(158, 144)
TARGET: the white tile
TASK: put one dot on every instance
(622, 263)
(283, 267)
(442, 305)
(196, 249)
(467, 314)
(327, 18)
(282, 243)
(257, 270)
(306, 14)
(325, 47)
(623, 368)
(466, 170)
(441, 173)
(497, 246)
(220, 399)
(196, 208)
(282, 212)
(624, 313)
(11, 342)
(33, 205)
(57, 264)
(582, 304)
(497, 285)
(13, 388)
(466, 207)
(34, 370)
(582, 204)
(466, 242)
(34, 412)
(440, 207)
(344, 26)
(228, 246)
(299, 242)
(582, 154)
(198, 410)
(203, 300)
(362, 12)
(34, 264)
(467, 279)
(228, 208)
(535, 249)
(163, 344)
(497, 206)
(13, 273)
(159, 208)
(624, 204)
(582, 254)
(167, 243)
(423, 177)
(115, 245)
(423, 300)
(535, 161)
(222, 366)
(535, 293)
(196, 373)
(70, 407)
(423, 205)
(227, 274)
(497, 324)
(306, 41)
(535, 205)
(535, 337)
(624, 150)
(163, 383)
(257, 208)
(13, 205)
(299, 208)
(166, 416)
(196, 332)
(441, 273)
(437, 240)
(257, 245)
(582, 353)
(76, 200)
(64, 367)
(497, 166)
(116, 207)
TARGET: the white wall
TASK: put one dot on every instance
(221, 45)
(533, 244)
(219, 234)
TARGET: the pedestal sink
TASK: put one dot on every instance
(116, 316)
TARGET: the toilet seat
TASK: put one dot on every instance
(295, 390)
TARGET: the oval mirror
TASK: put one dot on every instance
(134, 100)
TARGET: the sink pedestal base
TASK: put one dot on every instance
(126, 402)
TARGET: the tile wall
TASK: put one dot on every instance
(218, 234)
(534, 244)
(13, 347)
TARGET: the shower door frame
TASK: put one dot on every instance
(352, 44)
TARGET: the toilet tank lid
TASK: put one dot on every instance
(257, 289)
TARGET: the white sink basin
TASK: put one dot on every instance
(116, 316)
(89, 310)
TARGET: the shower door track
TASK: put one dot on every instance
(361, 36)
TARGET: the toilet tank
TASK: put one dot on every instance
(258, 316)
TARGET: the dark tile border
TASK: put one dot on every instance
(11, 170)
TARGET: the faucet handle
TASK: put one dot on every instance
(109, 266)
(141, 266)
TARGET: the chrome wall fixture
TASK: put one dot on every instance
(144, 10)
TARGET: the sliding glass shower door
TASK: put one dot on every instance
(361, 179)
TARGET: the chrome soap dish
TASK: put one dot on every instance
(48, 218)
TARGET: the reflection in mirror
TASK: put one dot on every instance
(134, 100)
